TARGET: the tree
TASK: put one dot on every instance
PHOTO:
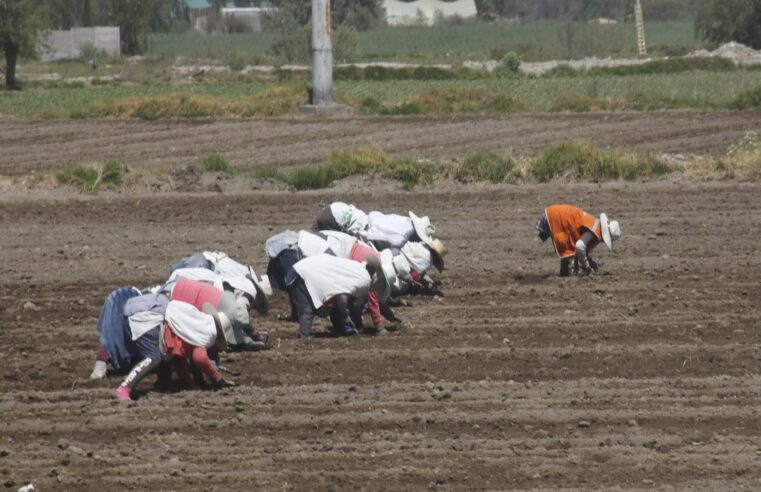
(22, 25)
(133, 19)
(731, 20)
(359, 14)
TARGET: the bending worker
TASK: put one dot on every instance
(575, 234)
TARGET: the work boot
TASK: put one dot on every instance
(99, 371)
(123, 393)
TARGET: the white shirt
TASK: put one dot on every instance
(327, 276)
(391, 228)
(198, 274)
(340, 243)
(311, 244)
(225, 265)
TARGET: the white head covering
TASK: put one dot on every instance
(611, 231)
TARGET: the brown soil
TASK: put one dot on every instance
(34, 147)
(643, 377)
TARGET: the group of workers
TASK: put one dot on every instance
(347, 263)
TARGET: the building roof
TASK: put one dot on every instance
(197, 4)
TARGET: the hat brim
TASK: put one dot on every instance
(417, 224)
(221, 342)
(384, 273)
(605, 228)
(263, 292)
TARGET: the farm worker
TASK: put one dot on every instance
(115, 346)
(248, 292)
(340, 216)
(340, 243)
(574, 234)
(189, 333)
(394, 231)
(216, 261)
(287, 248)
(329, 282)
(144, 315)
(238, 296)
(414, 261)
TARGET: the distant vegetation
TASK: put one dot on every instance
(537, 41)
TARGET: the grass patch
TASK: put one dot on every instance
(368, 161)
(93, 178)
(453, 99)
(215, 163)
(276, 101)
(483, 166)
(268, 173)
(578, 161)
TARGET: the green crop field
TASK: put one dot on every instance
(453, 44)
(689, 89)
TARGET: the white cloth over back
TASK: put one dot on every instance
(393, 229)
(327, 276)
(190, 324)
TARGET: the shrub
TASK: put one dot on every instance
(578, 161)
(216, 163)
(368, 161)
(483, 166)
(91, 179)
(509, 65)
(268, 173)
(750, 99)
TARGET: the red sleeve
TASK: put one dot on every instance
(417, 277)
(202, 362)
(373, 305)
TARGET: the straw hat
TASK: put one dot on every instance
(437, 253)
(611, 231)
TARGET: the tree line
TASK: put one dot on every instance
(22, 22)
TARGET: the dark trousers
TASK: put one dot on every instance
(306, 312)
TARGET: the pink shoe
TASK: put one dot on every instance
(122, 393)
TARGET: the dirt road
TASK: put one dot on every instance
(34, 147)
(645, 377)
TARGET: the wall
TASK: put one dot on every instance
(67, 44)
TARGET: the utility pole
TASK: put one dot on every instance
(322, 61)
(322, 54)
(638, 17)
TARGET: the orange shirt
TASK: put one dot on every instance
(567, 224)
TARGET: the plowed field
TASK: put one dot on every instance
(643, 377)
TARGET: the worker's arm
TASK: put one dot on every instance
(583, 247)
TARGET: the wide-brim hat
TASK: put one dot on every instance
(611, 231)
(423, 228)
(221, 322)
(242, 283)
(437, 254)
(385, 273)
(263, 291)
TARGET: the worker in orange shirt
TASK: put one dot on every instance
(575, 234)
